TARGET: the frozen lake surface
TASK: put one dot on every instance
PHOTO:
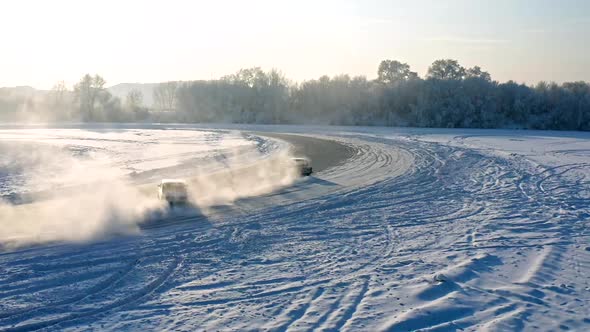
(413, 229)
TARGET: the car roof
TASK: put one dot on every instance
(173, 181)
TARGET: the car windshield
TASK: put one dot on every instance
(174, 187)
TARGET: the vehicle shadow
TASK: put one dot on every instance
(304, 184)
(175, 215)
(189, 214)
(303, 189)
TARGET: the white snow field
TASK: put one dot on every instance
(415, 229)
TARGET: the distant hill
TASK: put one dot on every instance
(147, 89)
(119, 90)
(20, 91)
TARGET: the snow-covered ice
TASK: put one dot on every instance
(420, 229)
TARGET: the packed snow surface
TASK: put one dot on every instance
(415, 229)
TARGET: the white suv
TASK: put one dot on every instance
(173, 191)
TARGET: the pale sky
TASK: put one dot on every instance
(161, 40)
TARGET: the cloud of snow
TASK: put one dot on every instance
(78, 194)
(74, 197)
(241, 177)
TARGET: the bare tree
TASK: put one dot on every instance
(58, 93)
(165, 96)
(86, 92)
(134, 100)
(59, 101)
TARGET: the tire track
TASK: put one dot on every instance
(72, 318)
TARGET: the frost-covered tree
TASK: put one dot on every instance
(450, 96)
(446, 69)
(391, 71)
(476, 72)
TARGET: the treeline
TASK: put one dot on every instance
(450, 96)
